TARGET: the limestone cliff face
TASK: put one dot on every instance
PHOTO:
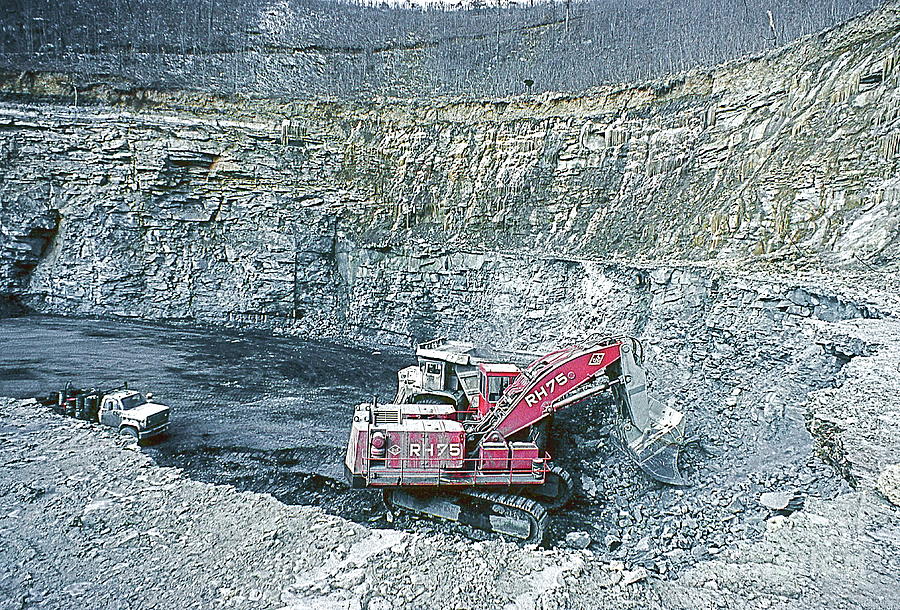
(402, 218)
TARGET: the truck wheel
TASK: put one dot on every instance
(129, 433)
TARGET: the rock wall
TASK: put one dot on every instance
(399, 219)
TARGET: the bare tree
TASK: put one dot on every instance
(355, 49)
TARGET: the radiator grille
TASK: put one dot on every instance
(387, 416)
(157, 419)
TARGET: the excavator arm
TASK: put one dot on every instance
(651, 433)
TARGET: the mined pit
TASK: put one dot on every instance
(270, 413)
(755, 364)
(264, 264)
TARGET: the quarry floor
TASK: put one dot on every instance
(87, 522)
(242, 506)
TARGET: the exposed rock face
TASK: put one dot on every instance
(407, 218)
(858, 421)
(889, 483)
(26, 229)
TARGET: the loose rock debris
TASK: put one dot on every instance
(86, 520)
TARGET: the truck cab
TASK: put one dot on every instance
(133, 414)
(455, 373)
(445, 374)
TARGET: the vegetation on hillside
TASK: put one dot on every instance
(351, 49)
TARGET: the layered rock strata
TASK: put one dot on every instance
(403, 217)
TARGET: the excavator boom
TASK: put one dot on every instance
(651, 433)
(540, 388)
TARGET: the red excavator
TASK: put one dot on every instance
(465, 438)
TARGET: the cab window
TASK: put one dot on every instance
(135, 400)
(432, 368)
(496, 385)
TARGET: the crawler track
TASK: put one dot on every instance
(498, 512)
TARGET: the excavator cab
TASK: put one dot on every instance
(494, 379)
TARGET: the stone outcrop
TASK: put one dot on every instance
(889, 483)
(401, 218)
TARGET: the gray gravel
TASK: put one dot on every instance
(86, 521)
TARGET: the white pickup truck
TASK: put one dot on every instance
(130, 412)
(133, 415)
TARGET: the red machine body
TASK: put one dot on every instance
(464, 438)
(402, 449)
(397, 445)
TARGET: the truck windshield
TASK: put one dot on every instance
(496, 385)
(130, 402)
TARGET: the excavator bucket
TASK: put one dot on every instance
(651, 432)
